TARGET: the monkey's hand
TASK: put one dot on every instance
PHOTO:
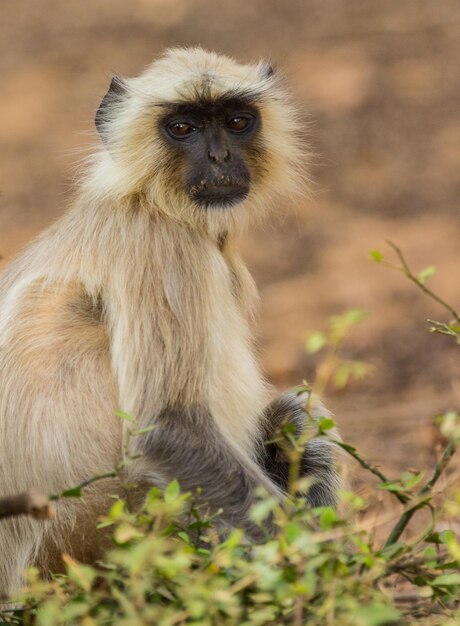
(295, 415)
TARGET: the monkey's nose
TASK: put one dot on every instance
(218, 155)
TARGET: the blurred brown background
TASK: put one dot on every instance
(381, 84)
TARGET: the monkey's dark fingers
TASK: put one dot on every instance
(291, 408)
(319, 456)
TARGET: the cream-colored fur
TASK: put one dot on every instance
(128, 302)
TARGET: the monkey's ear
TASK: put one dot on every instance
(116, 92)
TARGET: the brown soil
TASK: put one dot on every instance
(381, 84)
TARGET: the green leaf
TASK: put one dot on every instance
(342, 375)
(413, 480)
(433, 537)
(117, 509)
(125, 533)
(262, 509)
(340, 324)
(49, 614)
(75, 492)
(325, 424)
(197, 608)
(376, 614)
(292, 532)
(125, 416)
(81, 575)
(142, 431)
(351, 371)
(104, 524)
(392, 550)
(172, 491)
(351, 317)
(445, 536)
(327, 518)
(233, 540)
(315, 342)
(394, 486)
(426, 273)
(446, 579)
(376, 256)
(298, 390)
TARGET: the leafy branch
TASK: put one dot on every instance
(420, 281)
(373, 469)
(333, 367)
(423, 497)
(453, 328)
(402, 489)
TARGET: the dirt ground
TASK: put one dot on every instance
(380, 85)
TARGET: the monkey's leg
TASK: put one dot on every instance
(186, 445)
(318, 460)
(57, 426)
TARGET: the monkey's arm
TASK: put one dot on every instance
(185, 445)
(318, 459)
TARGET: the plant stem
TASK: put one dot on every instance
(402, 523)
(439, 468)
(85, 483)
(424, 491)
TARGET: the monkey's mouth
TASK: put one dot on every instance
(219, 194)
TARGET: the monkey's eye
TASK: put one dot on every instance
(180, 130)
(240, 123)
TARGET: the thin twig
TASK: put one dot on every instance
(439, 468)
(83, 484)
(424, 491)
(402, 522)
(298, 611)
(407, 271)
(371, 468)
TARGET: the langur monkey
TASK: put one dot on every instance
(136, 300)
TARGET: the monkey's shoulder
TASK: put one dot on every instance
(44, 311)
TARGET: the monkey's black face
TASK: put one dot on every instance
(213, 140)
